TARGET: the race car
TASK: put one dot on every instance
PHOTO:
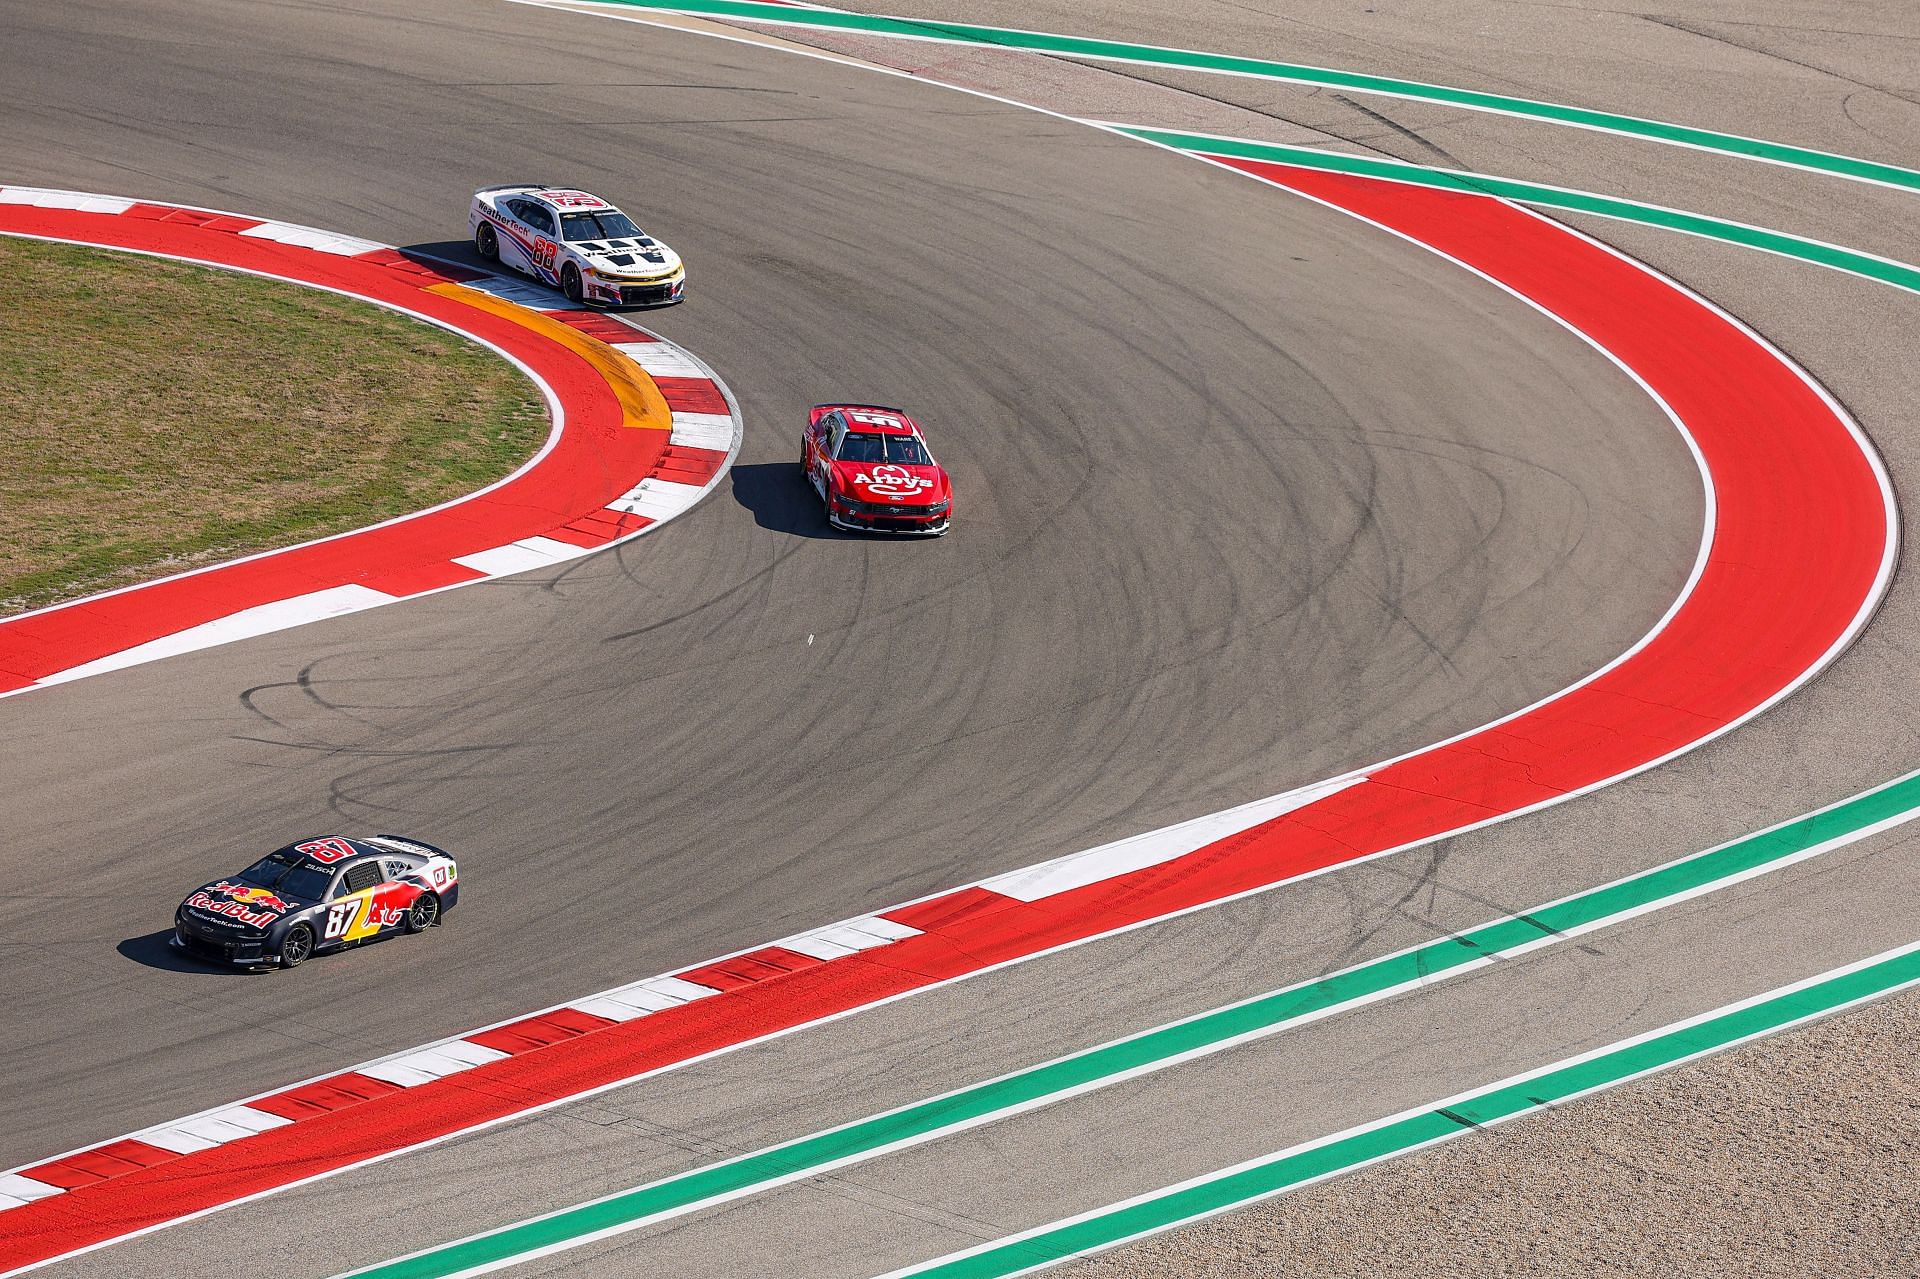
(318, 895)
(874, 472)
(576, 242)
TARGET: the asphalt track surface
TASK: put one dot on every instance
(1253, 494)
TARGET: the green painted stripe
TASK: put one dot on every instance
(1871, 266)
(1850, 820)
(1509, 1099)
(1732, 144)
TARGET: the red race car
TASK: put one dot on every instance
(873, 471)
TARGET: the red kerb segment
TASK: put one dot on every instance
(691, 395)
(538, 1032)
(325, 1095)
(605, 327)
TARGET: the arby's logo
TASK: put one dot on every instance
(890, 481)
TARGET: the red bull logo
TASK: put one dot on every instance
(243, 903)
(263, 898)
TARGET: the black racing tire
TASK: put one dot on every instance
(296, 947)
(486, 242)
(424, 913)
(570, 283)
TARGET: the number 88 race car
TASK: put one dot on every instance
(320, 894)
(576, 242)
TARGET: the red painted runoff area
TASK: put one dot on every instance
(1798, 555)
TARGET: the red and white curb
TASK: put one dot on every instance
(642, 431)
(1797, 553)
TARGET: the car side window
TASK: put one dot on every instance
(539, 219)
(397, 869)
(360, 875)
(836, 432)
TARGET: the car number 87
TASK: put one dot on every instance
(340, 918)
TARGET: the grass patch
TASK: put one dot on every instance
(157, 416)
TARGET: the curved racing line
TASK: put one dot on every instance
(1798, 550)
(641, 432)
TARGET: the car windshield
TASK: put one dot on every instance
(288, 877)
(608, 224)
(870, 446)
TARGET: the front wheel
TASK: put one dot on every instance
(424, 913)
(570, 283)
(298, 946)
(486, 243)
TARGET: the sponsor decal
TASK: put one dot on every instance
(325, 850)
(364, 914)
(247, 894)
(574, 200)
(890, 481)
(233, 910)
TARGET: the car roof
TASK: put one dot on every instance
(902, 425)
(298, 851)
(567, 200)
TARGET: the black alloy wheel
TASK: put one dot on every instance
(424, 913)
(486, 243)
(298, 947)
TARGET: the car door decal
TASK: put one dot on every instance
(369, 911)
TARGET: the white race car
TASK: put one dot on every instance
(576, 242)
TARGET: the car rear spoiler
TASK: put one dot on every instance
(407, 843)
(513, 186)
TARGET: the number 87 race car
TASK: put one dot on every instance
(576, 242)
(320, 894)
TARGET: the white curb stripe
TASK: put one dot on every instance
(849, 938)
(262, 619)
(303, 237)
(40, 198)
(702, 431)
(425, 1065)
(657, 499)
(519, 557)
(16, 1190)
(625, 1003)
(660, 359)
(1138, 852)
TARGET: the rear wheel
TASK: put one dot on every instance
(570, 282)
(424, 913)
(298, 946)
(486, 243)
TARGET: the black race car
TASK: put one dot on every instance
(319, 894)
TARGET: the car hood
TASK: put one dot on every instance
(891, 483)
(628, 257)
(240, 904)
